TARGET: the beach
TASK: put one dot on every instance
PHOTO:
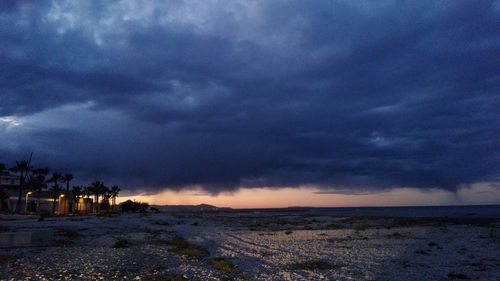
(249, 245)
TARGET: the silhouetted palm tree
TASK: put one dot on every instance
(87, 191)
(104, 191)
(67, 178)
(98, 188)
(22, 168)
(37, 182)
(94, 189)
(114, 193)
(55, 180)
(77, 191)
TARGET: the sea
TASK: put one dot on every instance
(470, 211)
(461, 211)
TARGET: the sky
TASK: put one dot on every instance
(258, 103)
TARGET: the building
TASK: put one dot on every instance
(8, 180)
(45, 202)
(9, 185)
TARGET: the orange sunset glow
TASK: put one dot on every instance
(286, 197)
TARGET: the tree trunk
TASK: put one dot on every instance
(98, 207)
(54, 197)
(39, 194)
(19, 197)
(67, 198)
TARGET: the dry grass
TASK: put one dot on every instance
(222, 264)
(120, 244)
(312, 265)
(360, 227)
(155, 268)
(454, 275)
(163, 277)
(6, 259)
(68, 233)
(183, 247)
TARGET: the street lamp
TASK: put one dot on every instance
(26, 201)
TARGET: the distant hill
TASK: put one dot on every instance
(189, 208)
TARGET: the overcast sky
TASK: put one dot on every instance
(352, 95)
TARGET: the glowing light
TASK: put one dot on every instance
(481, 193)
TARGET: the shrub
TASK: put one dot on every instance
(312, 265)
(222, 264)
(163, 277)
(432, 244)
(69, 233)
(183, 247)
(162, 223)
(453, 275)
(396, 234)
(120, 244)
(360, 227)
(133, 206)
(63, 242)
(155, 268)
(6, 259)
(153, 232)
(334, 225)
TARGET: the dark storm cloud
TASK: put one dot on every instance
(353, 95)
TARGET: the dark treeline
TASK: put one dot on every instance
(96, 197)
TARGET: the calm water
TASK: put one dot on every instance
(477, 211)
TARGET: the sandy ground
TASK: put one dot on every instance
(247, 246)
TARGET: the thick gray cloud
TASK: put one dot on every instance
(257, 93)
